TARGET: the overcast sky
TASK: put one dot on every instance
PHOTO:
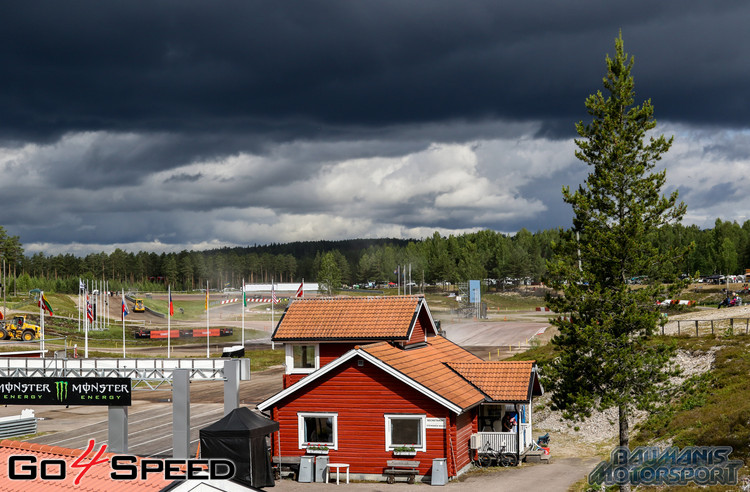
(171, 125)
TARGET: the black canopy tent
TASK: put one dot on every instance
(241, 437)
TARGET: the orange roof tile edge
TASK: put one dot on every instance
(357, 318)
(500, 380)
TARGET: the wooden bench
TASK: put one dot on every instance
(407, 468)
(286, 463)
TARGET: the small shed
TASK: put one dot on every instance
(241, 437)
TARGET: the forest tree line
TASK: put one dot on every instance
(724, 249)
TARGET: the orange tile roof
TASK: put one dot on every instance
(96, 478)
(355, 318)
(426, 365)
(500, 380)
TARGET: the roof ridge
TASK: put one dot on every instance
(494, 362)
(356, 298)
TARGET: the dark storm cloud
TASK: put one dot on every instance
(285, 69)
(184, 123)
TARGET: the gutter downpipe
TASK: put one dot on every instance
(518, 434)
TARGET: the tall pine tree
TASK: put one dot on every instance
(607, 358)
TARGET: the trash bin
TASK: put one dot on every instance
(305, 469)
(439, 471)
(321, 462)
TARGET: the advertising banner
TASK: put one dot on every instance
(65, 391)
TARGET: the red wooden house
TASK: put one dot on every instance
(368, 378)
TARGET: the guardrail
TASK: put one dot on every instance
(18, 425)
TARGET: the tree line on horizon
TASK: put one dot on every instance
(723, 249)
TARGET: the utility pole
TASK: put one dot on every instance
(5, 310)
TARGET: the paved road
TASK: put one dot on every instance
(492, 334)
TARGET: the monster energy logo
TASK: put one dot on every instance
(65, 391)
(61, 388)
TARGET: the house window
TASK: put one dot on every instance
(301, 358)
(318, 428)
(405, 430)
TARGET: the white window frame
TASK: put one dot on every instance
(389, 446)
(290, 369)
(301, 428)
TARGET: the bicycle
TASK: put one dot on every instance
(490, 457)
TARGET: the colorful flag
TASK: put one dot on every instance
(273, 295)
(44, 303)
(206, 297)
(171, 306)
(89, 310)
(124, 306)
(244, 296)
(300, 289)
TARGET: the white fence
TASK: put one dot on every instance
(507, 439)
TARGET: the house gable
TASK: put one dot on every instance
(359, 400)
(325, 371)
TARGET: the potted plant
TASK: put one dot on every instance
(317, 449)
(404, 451)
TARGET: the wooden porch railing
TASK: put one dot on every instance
(499, 439)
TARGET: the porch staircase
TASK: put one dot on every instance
(535, 456)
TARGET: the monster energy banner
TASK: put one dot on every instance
(65, 391)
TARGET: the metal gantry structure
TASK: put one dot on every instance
(147, 374)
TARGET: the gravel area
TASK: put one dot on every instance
(599, 433)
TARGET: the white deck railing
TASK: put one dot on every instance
(499, 439)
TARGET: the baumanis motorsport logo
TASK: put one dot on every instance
(65, 391)
(647, 465)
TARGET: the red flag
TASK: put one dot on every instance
(171, 306)
(300, 290)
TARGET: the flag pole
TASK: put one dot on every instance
(86, 325)
(273, 297)
(80, 282)
(208, 353)
(244, 305)
(122, 315)
(41, 317)
(169, 320)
